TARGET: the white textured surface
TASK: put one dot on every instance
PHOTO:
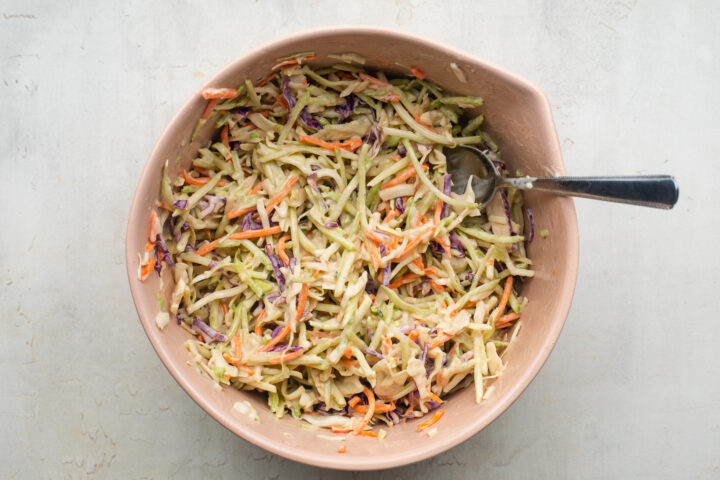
(632, 389)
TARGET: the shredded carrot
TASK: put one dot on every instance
(348, 363)
(225, 137)
(423, 124)
(438, 211)
(263, 232)
(354, 401)
(372, 80)
(149, 246)
(404, 175)
(454, 348)
(265, 81)
(302, 301)
(393, 243)
(281, 249)
(238, 346)
(387, 345)
(367, 433)
(371, 411)
(439, 340)
(382, 62)
(281, 194)
(418, 73)
(395, 157)
(224, 307)
(410, 277)
(430, 422)
(256, 188)
(165, 206)
(342, 449)
(293, 61)
(374, 255)
(338, 429)
(504, 299)
(209, 109)
(147, 269)
(247, 370)
(444, 246)
(281, 101)
(207, 248)
(506, 320)
(258, 323)
(316, 273)
(348, 352)
(435, 397)
(374, 237)
(217, 93)
(350, 145)
(152, 232)
(419, 263)
(240, 212)
(392, 97)
(413, 335)
(287, 357)
(392, 214)
(278, 338)
(200, 181)
(415, 242)
(430, 271)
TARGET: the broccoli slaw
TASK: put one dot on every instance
(321, 257)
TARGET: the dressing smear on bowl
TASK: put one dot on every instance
(321, 258)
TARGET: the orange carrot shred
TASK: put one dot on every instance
(217, 93)
(418, 73)
(240, 212)
(147, 269)
(281, 194)
(404, 175)
(350, 145)
(372, 80)
(504, 299)
(263, 232)
(287, 357)
(338, 429)
(368, 433)
(281, 249)
(258, 323)
(430, 422)
(209, 109)
(207, 248)
(371, 411)
(342, 449)
(224, 136)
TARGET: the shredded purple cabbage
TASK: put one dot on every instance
(331, 225)
(506, 207)
(447, 185)
(456, 244)
(423, 149)
(374, 353)
(208, 333)
(305, 117)
(160, 242)
(239, 114)
(249, 224)
(374, 139)
(277, 264)
(531, 222)
(386, 275)
(293, 262)
(344, 111)
(402, 151)
(312, 181)
(276, 331)
(181, 204)
(400, 205)
(284, 348)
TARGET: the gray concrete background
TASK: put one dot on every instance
(632, 389)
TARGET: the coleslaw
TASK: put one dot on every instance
(321, 257)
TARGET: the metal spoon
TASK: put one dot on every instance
(464, 162)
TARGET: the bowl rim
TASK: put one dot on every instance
(333, 460)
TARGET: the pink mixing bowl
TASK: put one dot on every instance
(519, 120)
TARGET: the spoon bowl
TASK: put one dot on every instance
(469, 164)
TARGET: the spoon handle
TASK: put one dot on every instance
(658, 191)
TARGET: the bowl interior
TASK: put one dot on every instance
(518, 118)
